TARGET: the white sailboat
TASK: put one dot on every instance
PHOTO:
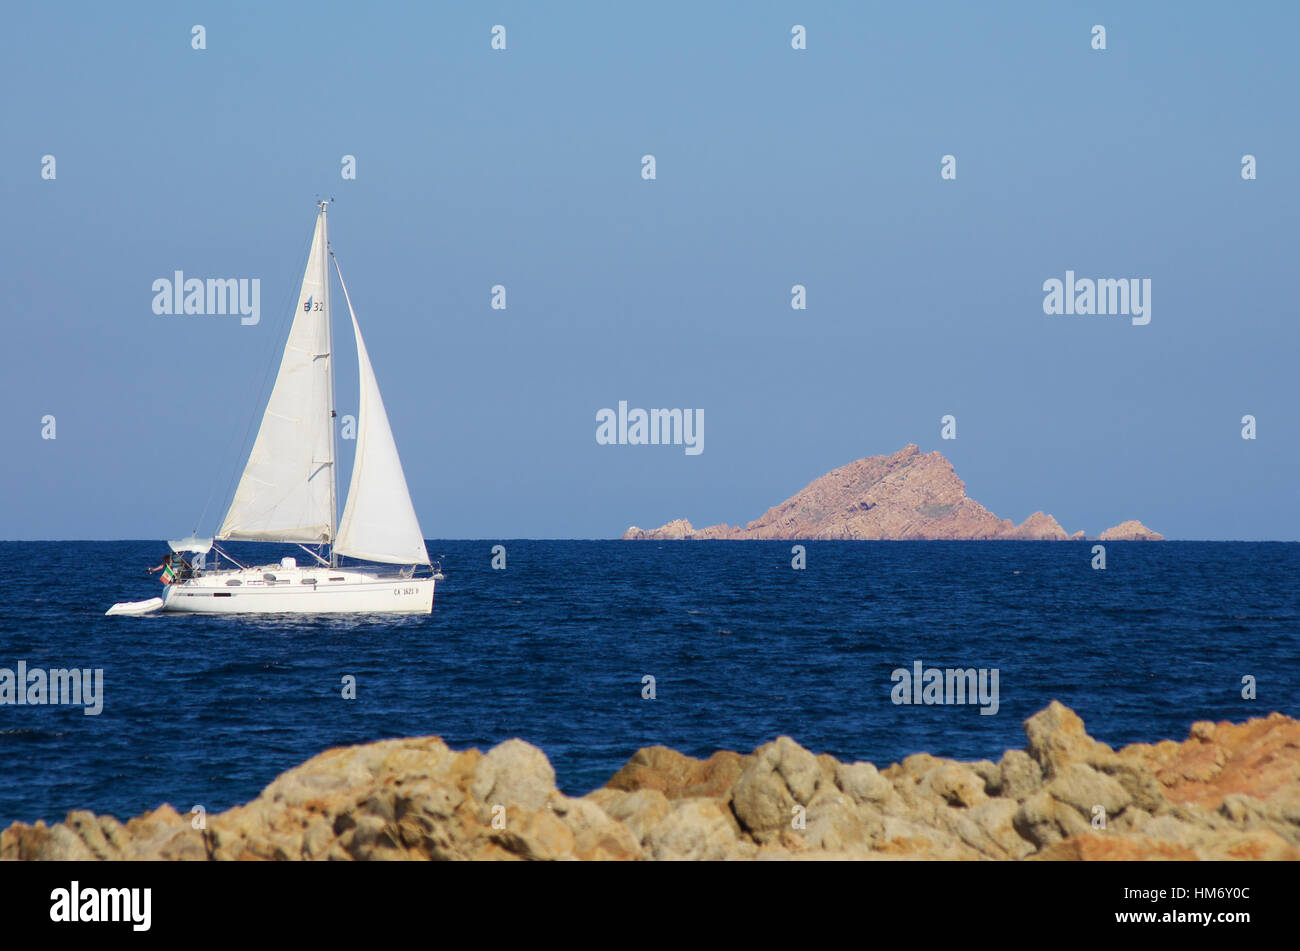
(288, 493)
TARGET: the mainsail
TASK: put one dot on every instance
(286, 493)
(379, 522)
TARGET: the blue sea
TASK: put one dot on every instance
(555, 647)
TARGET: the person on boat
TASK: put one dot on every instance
(167, 568)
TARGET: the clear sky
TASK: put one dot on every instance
(774, 166)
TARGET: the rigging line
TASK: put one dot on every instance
(238, 461)
(352, 313)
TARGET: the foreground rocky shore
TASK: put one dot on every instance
(1227, 792)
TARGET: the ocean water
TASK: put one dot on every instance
(553, 649)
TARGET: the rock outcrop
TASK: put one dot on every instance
(907, 495)
(1228, 792)
(1038, 527)
(1130, 531)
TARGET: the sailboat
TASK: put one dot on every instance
(288, 493)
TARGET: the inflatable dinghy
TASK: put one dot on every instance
(135, 607)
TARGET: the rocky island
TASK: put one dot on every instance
(910, 495)
(1227, 792)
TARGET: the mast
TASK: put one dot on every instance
(329, 326)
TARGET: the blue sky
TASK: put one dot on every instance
(774, 167)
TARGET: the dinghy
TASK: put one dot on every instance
(135, 607)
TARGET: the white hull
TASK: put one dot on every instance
(278, 590)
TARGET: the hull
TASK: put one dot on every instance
(279, 590)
